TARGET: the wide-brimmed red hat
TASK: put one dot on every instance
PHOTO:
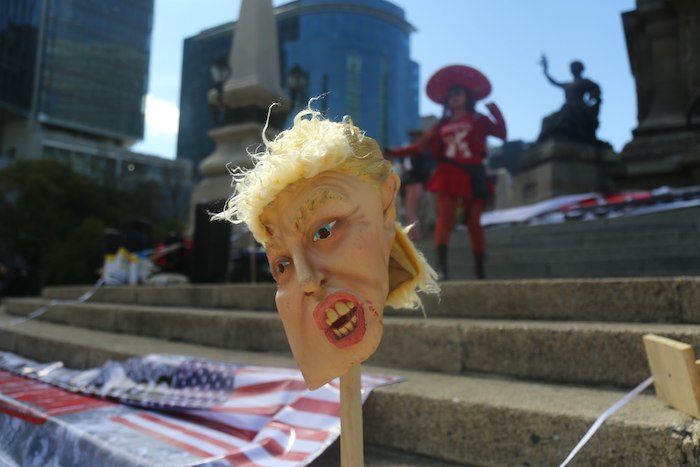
(457, 75)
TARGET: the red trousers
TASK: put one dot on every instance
(446, 207)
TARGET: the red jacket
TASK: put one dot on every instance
(457, 143)
(446, 139)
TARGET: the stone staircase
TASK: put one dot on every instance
(502, 372)
(655, 244)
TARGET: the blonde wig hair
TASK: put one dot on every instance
(314, 145)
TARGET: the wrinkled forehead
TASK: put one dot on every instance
(293, 206)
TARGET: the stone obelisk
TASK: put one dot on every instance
(663, 42)
(253, 85)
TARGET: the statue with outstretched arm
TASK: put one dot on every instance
(578, 117)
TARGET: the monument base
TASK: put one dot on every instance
(232, 145)
(654, 159)
(555, 168)
(210, 191)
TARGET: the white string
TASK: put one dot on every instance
(611, 410)
(40, 311)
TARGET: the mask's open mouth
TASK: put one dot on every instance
(341, 319)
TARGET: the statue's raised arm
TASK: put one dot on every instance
(545, 69)
(578, 117)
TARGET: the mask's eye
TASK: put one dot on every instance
(281, 267)
(324, 232)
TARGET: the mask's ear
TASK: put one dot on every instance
(389, 190)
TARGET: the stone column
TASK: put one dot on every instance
(663, 42)
(253, 86)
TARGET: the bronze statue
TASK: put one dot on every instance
(577, 120)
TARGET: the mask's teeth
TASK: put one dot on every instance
(340, 321)
(342, 308)
(331, 316)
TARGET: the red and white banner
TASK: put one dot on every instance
(175, 415)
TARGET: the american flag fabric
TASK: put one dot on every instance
(165, 410)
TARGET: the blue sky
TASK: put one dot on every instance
(502, 38)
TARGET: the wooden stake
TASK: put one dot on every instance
(351, 438)
(675, 372)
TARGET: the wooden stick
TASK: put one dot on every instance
(351, 439)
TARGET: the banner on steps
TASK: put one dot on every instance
(165, 410)
(591, 206)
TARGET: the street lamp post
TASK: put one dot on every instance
(220, 72)
(297, 83)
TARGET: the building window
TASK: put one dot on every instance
(353, 75)
(383, 98)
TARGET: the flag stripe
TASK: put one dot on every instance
(275, 449)
(269, 446)
(245, 453)
(84, 407)
(316, 406)
(288, 440)
(166, 439)
(48, 398)
(35, 420)
(26, 390)
(263, 400)
(268, 410)
(52, 400)
(270, 386)
(260, 457)
(324, 393)
(288, 373)
(22, 411)
(301, 432)
(214, 424)
(179, 435)
(307, 419)
(195, 432)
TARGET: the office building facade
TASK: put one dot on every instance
(73, 83)
(354, 53)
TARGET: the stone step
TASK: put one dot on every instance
(657, 244)
(227, 296)
(518, 235)
(549, 262)
(545, 267)
(622, 247)
(575, 352)
(672, 299)
(676, 220)
(464, 419)
(591, 249)
(587, 230)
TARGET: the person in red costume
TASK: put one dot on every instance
(458, 143)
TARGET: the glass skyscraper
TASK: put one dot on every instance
(19, 32)
(73, 82)
(95, 66)
(79, 65)
(354, 52)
